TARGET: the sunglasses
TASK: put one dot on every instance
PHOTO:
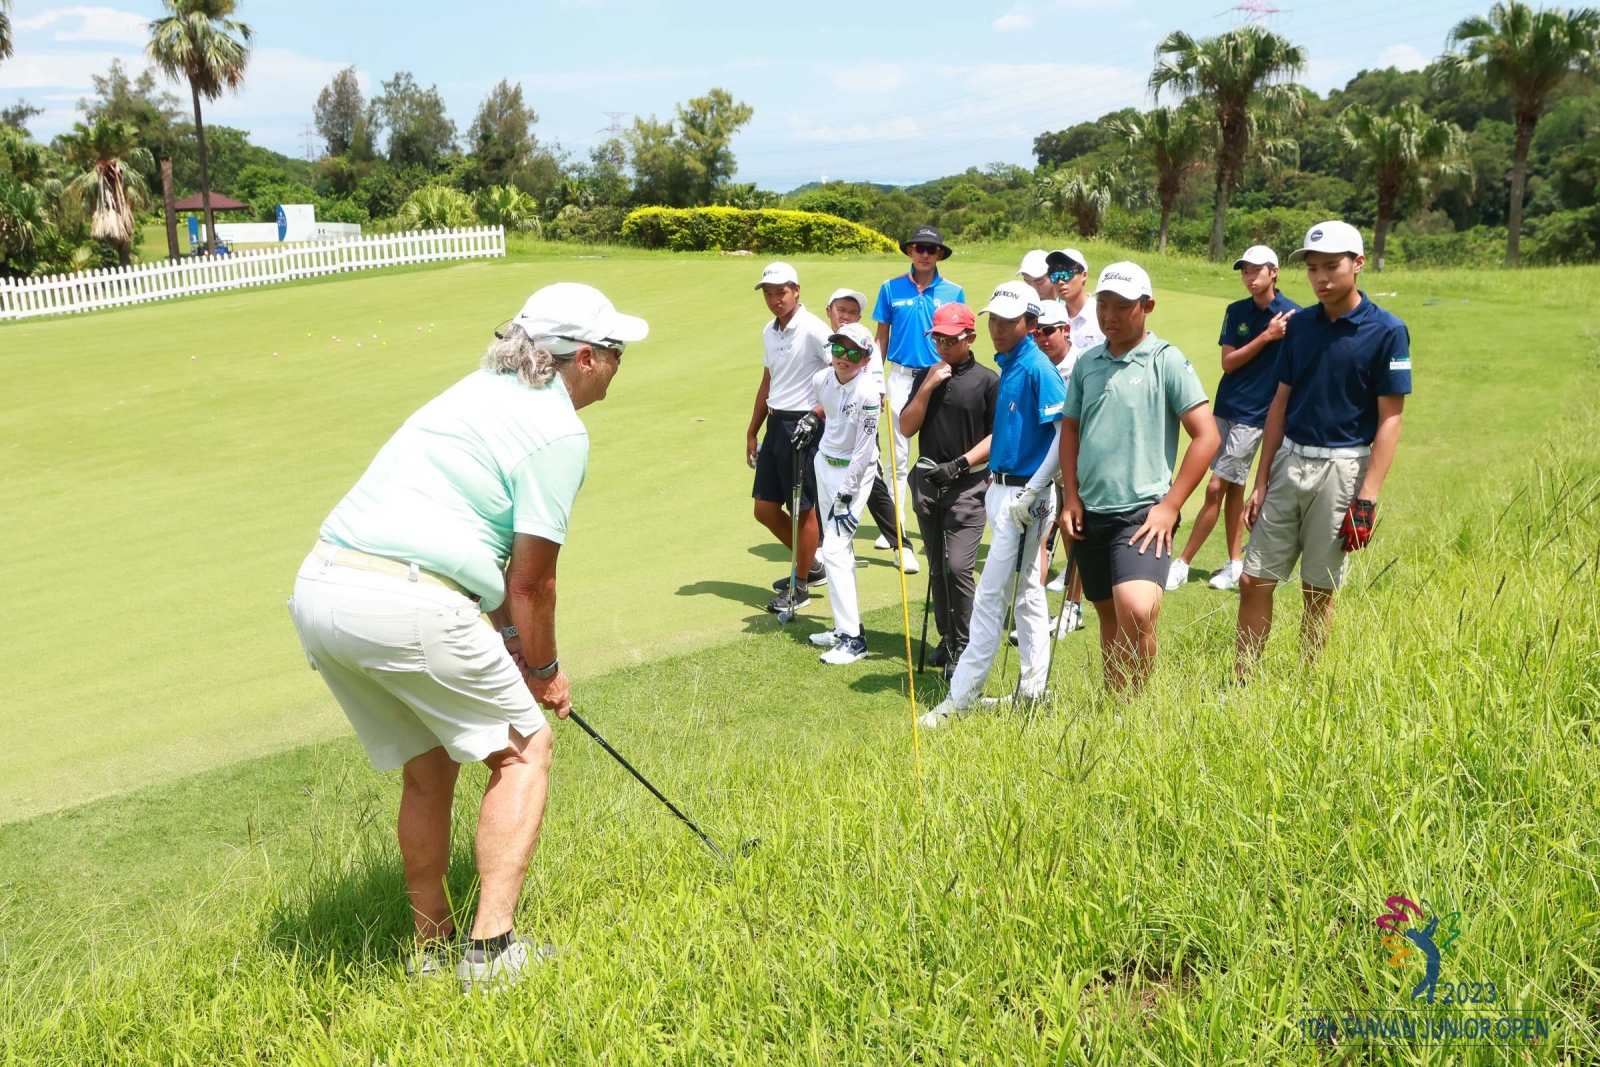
(606, 343)
(854, 355)
(1059, 276)
(943, 340)
(926, 250)
(1046, 331)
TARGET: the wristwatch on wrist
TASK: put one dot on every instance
(546, 672)
(963, 465)
(507, 632)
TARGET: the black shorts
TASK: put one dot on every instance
(775, 464)
(1105, 558)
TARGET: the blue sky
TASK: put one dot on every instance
(857, 91)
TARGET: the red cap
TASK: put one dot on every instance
(953, 320)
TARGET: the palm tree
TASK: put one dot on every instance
(1175, 141)
(436, 207)
(508, 206)
(197, 42)
(114, 164)
(1524, 53)
(1242, 76)
(1084, 197)
(1402, 151)
(5, 29)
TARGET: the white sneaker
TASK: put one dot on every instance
(908, 560)
(847, 651)
(881, 544)
(1069, 620)
(945, 714)
(1058, 584)
(480, 970)
(826, 639)
(1178, 576)
(1227, 577)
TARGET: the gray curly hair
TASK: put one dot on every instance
(514, 352)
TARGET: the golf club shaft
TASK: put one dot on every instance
(603, 743)
(1011, 605)
(794, 538)
(927, 598)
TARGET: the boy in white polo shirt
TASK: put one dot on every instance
(1069, 271)
(1344, 371)
(848, 397)
(795, 344)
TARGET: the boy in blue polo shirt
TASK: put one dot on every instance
(1251, 330)
(1018, 504)
(1119, 442)
(905, 315)
(1344, 371)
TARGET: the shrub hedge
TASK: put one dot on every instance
(728, 229)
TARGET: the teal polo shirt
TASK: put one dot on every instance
(1127, 411)
(485, 460)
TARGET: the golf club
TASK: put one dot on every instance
(927, 599)
(603, 743)
(787, 613)
(1049, 559)
(1011, 602)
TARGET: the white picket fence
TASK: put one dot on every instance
(143, 282)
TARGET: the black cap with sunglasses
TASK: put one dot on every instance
(926, 239)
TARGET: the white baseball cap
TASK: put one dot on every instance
(1334, 237)
(568, 314)
(1257, 255)
(1053, 313)
(778, 273)
(1012, 300)
(842, 294)
(854, 333)
(1034, 264)
(1071, 254)
(1127, 280)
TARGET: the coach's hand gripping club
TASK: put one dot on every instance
(614, 754)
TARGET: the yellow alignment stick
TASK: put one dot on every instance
(905, 603)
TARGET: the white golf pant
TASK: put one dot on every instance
(996, 590)
(838, 553)
(897, 380)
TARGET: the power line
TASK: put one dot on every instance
(616, 118)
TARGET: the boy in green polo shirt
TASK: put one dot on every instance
(1119, 440)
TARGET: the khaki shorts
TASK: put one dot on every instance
(1237, 451)
(1305, 506)
(414, 665)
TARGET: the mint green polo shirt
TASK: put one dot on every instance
(486, 459)
(1127, 412)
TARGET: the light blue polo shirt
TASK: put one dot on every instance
(1026, 409)
(484, 460)
(1336, 369)
(908, 312)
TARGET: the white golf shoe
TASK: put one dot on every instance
(1227, 576)
(826, 639)
(483, 969)
(1058, 584)
(881, 544)
(908, 560)
(1069, 620)
(945, 714)
(848, 650)
(1178, 576)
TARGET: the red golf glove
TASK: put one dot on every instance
(1357, 526)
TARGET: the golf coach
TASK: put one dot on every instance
(465, 510)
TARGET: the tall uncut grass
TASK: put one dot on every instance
(1171, 880)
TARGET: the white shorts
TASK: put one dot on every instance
(414, 665)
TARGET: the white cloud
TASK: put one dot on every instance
(902, 129)
(92, 24)
(1014, 20)
(32, 69)
(279, 80)
(871, 79)
(1402, 56)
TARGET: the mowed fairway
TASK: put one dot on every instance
(1171, 880)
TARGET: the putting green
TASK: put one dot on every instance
(166, 467)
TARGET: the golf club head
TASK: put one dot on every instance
(749, 846)
(785, 616)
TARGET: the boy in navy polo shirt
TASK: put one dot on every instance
(1019, 506)
(1251, 330)
(905, 315)
(1344, 371)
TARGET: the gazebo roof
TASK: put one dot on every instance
(218, 203)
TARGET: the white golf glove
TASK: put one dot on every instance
(844, 523)
(1021, 509)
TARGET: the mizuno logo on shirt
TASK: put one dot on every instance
(1400, 364)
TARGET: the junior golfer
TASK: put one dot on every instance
(1069, 270)
(1119, 442)
(1019, 504)
(905, 312)
(387, 606)
(951, 413)
(1251, 330)
(795, 345)
(1343, 375)
(848, 398)
(845, 307)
